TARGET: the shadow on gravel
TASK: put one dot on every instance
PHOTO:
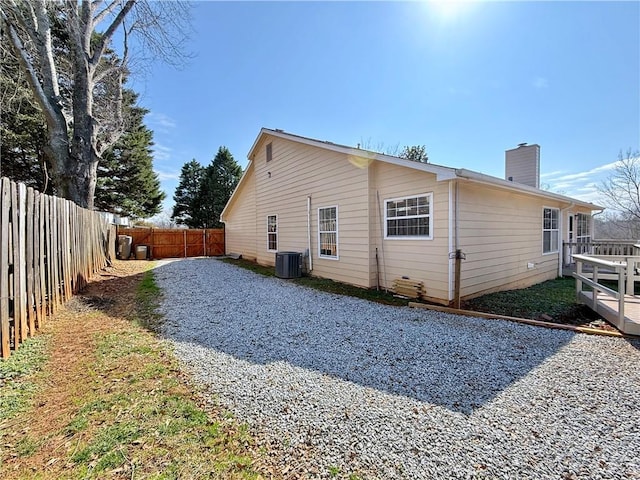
(460, 363)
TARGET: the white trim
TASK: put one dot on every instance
(429, 195)
(276, 232)
(337, 255)
(522, 188)
(558, 229)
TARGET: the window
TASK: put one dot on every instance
(550, 233)
(328, 232)
(269, 152)
(583, 222)
(408, 217)
(272, 233)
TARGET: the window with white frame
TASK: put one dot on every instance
(272, 233)
(550, 231)
(409, 217)
(328, 232)
(583, 227)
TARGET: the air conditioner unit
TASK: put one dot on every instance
(288, 264)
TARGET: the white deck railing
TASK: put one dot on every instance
(599, 248)
(607, 267)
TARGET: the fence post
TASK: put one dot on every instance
(185, 243)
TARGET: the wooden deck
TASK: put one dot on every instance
(607, 307)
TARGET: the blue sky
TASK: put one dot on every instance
(468, 80)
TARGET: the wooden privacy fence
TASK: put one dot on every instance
(49, 249)
(177, 242)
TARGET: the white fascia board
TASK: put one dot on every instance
(519, 187)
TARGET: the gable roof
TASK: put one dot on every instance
(441, 172)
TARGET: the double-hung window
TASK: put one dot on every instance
(409, 217)
(328, 232)
(272, 233)
(550, 231)
(583, 233)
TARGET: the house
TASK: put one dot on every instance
(368, 219)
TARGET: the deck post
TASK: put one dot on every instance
(578, 281)
(621, 296)
(630, 272)
(595, 290)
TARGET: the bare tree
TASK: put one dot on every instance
(621, 191)
(79, 87)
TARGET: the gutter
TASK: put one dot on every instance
(520, 187)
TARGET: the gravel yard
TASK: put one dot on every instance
(344, 388)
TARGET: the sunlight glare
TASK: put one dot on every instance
(448, 10)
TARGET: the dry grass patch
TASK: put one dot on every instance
(111, 402)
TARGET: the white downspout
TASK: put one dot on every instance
(309, 233)
(453, 231)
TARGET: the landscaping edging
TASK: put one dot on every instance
(527, 321)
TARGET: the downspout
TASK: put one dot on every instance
(458, 255)
(309, 233)
(381, 220)
(561, 233)
(453, 233)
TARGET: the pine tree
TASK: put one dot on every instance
(185, 197)
(219, 179)
(127, 184)
(126, 181)
(415, 153)
(22, 130)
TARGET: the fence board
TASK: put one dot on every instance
(4, 268)
(30, 273)
(177, 242)
(49, 249)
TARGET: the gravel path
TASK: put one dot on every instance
(344, 388)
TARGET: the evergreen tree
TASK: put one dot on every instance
(185, 197)
(219, 179)
(127, 183)
(415, 153)
(22, 130)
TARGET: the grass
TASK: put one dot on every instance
(129, 412)
(325, 284)
(555, 298)
(19, 375)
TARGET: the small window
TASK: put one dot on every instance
(550, 232)
(269, 152)
(408, 217)
(272, 233)
(328, 232)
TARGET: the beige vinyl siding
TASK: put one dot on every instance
(298, 171)
(240, 220)
(419, 259)
(500, 233)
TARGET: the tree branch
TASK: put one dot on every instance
(108, 33)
